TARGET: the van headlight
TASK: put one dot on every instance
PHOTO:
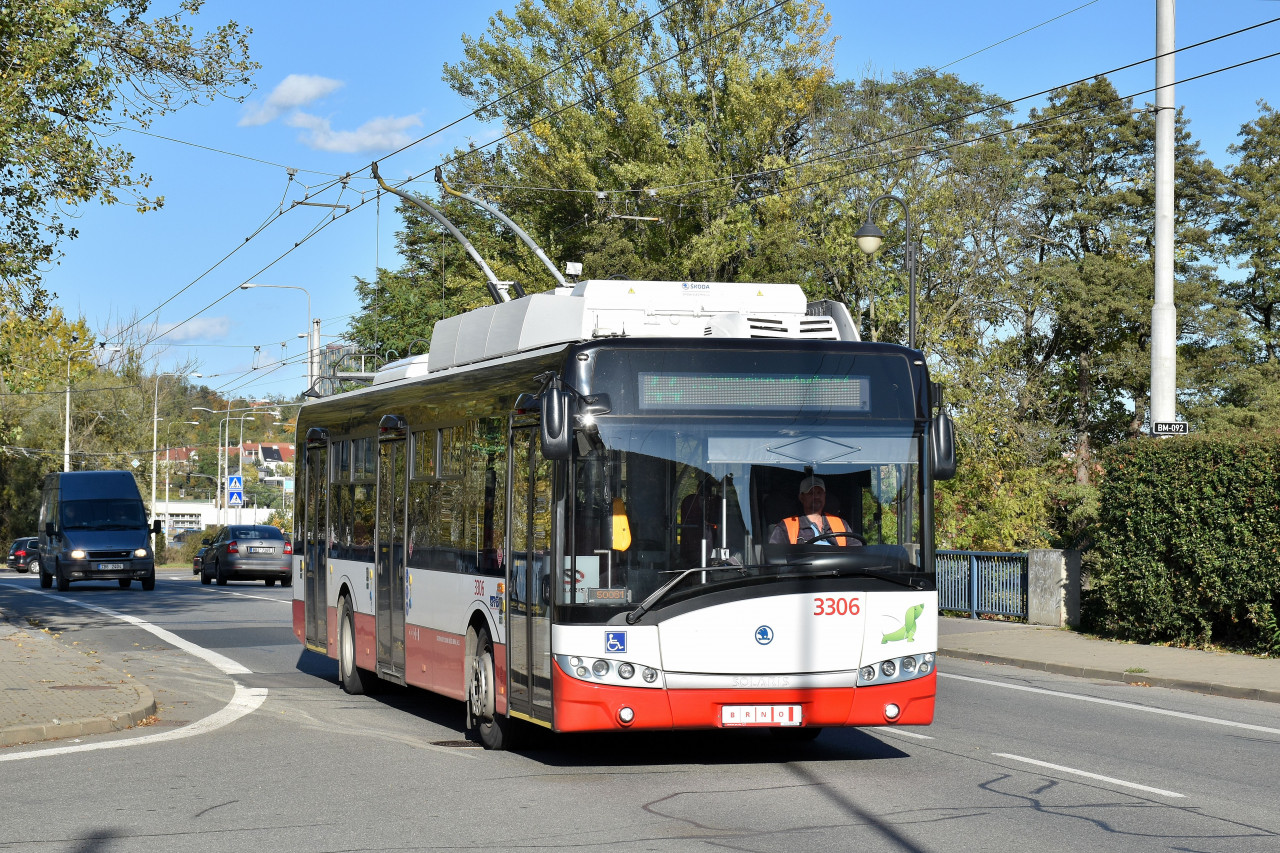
(140, 552)
(77, 554)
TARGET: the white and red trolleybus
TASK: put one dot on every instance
(565, 514)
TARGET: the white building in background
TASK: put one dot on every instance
(178, 516)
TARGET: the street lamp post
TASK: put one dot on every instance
(870, 238)
(168, 463)
(313, 330)
(66, 432)
(155, 424)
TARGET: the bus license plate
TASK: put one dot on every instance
(761, 715)
(254, 550)
(110, 567)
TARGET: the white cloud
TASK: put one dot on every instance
(201, 328)
(379, 134)
(294, 91)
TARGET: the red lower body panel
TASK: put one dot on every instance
(581, 706)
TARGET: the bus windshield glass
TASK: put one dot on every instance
(748, 500)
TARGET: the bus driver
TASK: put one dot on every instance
(813, 522)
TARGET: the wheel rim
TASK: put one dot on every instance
(482, 698)
(346, 647)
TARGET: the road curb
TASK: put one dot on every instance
(1143, 678)
(55, 729)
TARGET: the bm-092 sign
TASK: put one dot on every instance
(1170, 428)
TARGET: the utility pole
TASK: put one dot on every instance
(1164, 316)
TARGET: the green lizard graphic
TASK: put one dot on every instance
(908, 630)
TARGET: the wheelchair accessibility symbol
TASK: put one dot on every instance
(764, 635)
(615, 641)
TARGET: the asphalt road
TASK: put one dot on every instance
(285, 761)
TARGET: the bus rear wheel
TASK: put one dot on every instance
(350, 676)
(495, 730)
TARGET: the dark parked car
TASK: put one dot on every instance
(198, 559)
(24, 555)
(247, 552)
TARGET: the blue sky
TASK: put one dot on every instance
(342, 84)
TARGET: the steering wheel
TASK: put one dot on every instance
(832, 535)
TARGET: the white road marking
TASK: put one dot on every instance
(222, 663)
(1131, 706)
(245, 701)
(894, 730)
(1157, 791)
(259, 597)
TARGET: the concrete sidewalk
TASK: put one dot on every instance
(50, 688)
(1068, 653)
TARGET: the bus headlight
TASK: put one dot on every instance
(650, 675)
(889, 668)
(626, 670)
(600, 668)
(868, 673)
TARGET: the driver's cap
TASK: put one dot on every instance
(810, 482)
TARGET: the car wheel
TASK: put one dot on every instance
(204, 577)
(46, 580)
(495, 730)
(350, 676)
(33, 566)
(287, 580)
(220, 574)
(269, 581)
(64, 582)
(125, 583)
(148, 583)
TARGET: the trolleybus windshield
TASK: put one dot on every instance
(654, 497)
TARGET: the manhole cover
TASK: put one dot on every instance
(456, 744)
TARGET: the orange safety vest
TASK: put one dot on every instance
(835, 522)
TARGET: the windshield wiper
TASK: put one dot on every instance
(645, 606)
(862, 572)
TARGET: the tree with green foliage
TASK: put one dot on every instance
(72, 73)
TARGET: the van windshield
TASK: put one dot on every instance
(107, 514)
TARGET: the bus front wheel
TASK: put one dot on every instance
(495, 730)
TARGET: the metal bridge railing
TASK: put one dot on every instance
(982, 583)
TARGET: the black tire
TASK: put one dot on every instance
(148, 583)
(494, 730)
(204, 577)
(125, 582)
(287, 580)
(219, 574)
(353, 679)
(269, 581)
(46, 580)
(34, 566)
(64, 582)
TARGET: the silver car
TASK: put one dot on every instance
(247, 552)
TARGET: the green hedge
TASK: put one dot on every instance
(1188, 544)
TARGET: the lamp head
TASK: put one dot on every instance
(869, 238)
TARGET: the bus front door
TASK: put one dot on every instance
(529, 589)
(389, 556)
(312, 544)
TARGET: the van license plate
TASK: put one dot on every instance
(761, 715)
(110, 567)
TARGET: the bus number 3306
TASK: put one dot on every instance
(836, 606)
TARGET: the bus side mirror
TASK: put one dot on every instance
(557, 434)
(942, 447)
